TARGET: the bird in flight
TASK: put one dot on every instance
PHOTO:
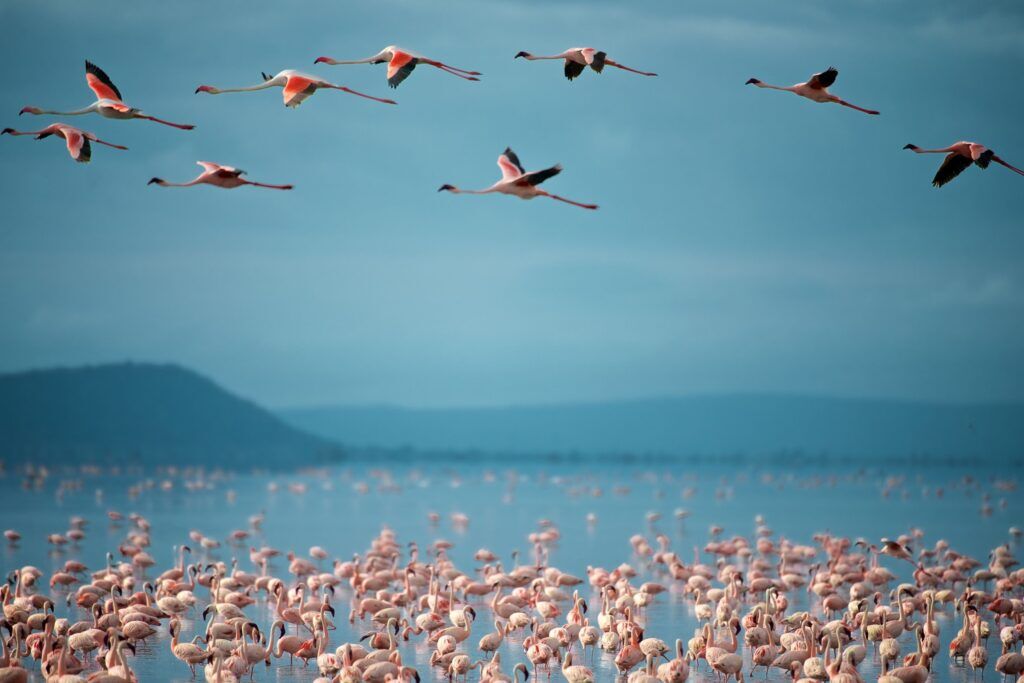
(519, 183)
(108, 103)
(297, 87)
(579, 58)
(959, 156)
(815, 89)
(78, 140)
(401, 63)
(217, 175)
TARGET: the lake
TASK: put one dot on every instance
(343, 508)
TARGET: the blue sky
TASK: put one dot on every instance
(748, 240)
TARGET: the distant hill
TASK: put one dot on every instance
(710, 426)
(145, 413)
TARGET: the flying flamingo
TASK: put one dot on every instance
(579, 58)
(401, 63)
(77, 139)
(297, 87)
(516, 181)
(219, 176)
(959, 156)
(108, 104)
(815, 89)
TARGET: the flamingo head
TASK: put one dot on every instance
(30, 110)
(522, 54)
(910, 146)
(161, 181)
(5, 131)
(446, 188)
(323, 60)
(752, 81)
(207, 88)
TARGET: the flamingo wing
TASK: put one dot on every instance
(209, 166)
(297, 89)
(100, 83)
(824, 79)
(537, 177)
(400, 66)
(598, 62)
(953, 165)
(573, 69)
(588, 55)
(78, 145)
(509, 164)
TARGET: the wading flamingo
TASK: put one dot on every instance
(579, 58)
(77, 139)
(959, 156)
(219, 176)
(517, 182)
(108, 104)
(297, 87)
(815, 89)
(401, 63)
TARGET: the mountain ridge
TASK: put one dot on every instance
(153, 413)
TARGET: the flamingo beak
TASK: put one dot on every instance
(445, 187)
(752, 81)
(322, 59)
(521, 54)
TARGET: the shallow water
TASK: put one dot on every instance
(343, 508)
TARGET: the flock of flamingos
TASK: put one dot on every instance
(769, 607)
(515, 180)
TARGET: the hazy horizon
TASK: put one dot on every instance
(748, 241)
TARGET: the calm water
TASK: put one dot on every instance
(343, 508)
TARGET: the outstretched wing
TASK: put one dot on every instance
(510, 165)
(598, 63)
(538, 177)
(78, 145)
(952, 166)
(824, 79)
(400, 66)
(573, 69)
(209, 166)
(297, 89)
(100, 83)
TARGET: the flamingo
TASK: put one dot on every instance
(579, 58)
(401, 63)
(219, 176)
(517, 182)
(959, 156)
(815, 89)
(108, 103)
(77, 139)
(297, 87)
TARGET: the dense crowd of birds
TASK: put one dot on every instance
(767, 606)
(298, 86)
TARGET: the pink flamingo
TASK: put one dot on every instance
(815, 89)
(297, 87)
(108, 104)
(401, 63)
(959, 157)
(77, 140)
(517, 182)
(579, 58)
(219, 176)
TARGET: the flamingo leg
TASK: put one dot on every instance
(1003, 163)
(108, 144)
(182, 126)
(854, 106)
(609, 62)
(350, 91)
(272, 187)
(455, 71)
(568, 201)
